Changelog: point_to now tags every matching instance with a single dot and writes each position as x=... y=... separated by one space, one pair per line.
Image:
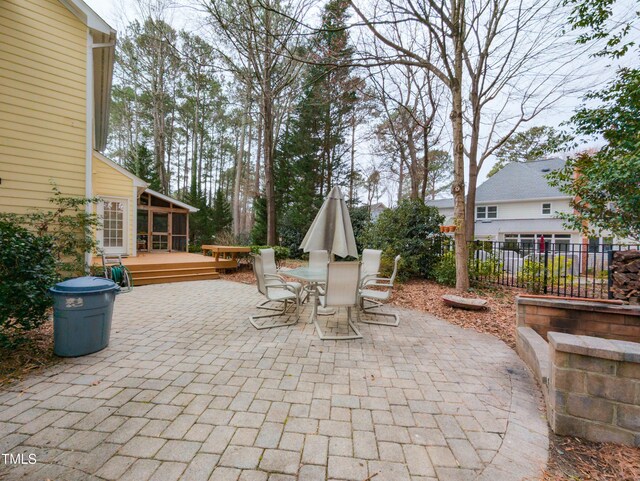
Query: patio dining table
x=312 y=277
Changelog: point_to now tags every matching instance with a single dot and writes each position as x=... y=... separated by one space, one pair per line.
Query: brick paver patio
x=189 y=390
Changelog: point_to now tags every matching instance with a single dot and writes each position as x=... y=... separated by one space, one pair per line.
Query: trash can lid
x=84 y=284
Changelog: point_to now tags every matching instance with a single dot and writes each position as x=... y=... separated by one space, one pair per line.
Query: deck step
x=169 y=270
x=169 y=265
x=146 y=280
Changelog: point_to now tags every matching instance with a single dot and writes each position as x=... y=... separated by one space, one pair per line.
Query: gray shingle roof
x=515 y=181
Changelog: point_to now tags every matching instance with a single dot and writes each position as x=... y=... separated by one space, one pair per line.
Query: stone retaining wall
x=594 y=388
x=625 y=273
x=597 y=319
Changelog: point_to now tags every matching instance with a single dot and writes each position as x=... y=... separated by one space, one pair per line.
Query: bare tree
x=409 y=100
x=407 y=31
x=499 y=61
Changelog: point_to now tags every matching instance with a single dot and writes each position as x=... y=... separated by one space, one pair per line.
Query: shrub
x=281 y=253
x=444 y=271
x=487 y=269
x=532 y=275
x=69 y=227
x=411 y=230
x=28 y=269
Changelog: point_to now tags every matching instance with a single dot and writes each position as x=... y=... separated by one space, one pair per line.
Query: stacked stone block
x=597 y=319
x=594 y=388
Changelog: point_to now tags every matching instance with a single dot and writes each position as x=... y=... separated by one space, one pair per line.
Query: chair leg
x=282 y=312
x=263 y=305
x=377 y=305
x=324 y=337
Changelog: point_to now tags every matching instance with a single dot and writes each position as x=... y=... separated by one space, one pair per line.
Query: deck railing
x=553 y=268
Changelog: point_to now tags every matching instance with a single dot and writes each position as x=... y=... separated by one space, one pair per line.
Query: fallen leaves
x=32 y=354
x=573 y=459
x=499 y=319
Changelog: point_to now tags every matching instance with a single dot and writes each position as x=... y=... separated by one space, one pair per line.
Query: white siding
x=529 y=209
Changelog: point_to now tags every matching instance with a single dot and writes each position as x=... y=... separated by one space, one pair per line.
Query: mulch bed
x=32 y=353
x=498 y=319
x=574 y=459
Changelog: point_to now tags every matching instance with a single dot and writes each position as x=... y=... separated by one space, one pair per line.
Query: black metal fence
x=553 y=268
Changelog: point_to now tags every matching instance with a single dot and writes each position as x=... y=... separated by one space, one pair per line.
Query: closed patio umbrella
x=331 y=230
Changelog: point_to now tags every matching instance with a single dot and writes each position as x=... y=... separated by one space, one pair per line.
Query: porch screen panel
x=179 y=231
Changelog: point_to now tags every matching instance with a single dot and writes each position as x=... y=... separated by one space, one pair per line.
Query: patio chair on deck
x=341 y=290
x=371 y=293
x=269 y=265
x=275 y=289
x=370 y=264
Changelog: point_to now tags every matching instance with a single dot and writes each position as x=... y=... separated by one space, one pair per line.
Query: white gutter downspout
x=89 y=133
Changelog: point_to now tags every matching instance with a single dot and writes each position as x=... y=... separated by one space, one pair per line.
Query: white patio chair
x=341 y=290
x=370 y=267
x=375 y=297
x=270 y=268
x=318 y=259
x=275 y=289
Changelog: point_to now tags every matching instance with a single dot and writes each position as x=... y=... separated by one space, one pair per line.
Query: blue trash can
x=82 y=310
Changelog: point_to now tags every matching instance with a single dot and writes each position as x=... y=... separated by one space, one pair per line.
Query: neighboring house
x=376 y=210
x=518 y=204
x=56 y=66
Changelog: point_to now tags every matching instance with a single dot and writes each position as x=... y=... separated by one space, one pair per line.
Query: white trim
x=166 y=198
x=134 y=211
x=88 y=175
x=87 y=16
x=137 y=181
x=486 y=212
x=550 y=213
x=125 y=225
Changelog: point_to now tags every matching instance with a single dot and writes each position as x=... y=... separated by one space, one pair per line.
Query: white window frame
x=485 y=211
x=125 y=226
x=550 y=208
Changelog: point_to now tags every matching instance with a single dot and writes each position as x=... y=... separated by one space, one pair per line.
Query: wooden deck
x=159 y=268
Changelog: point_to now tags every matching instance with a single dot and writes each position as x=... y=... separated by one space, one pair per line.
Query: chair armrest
x=274 y=277
x=284 y=286
x=377 y=282
x=368 y=277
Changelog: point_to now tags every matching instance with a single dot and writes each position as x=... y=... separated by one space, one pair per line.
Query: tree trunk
x=267 y=110
x=462 y=269
x=238 y=177
x=401 y=177
x=473 y=164
x=352 y=172
x=470 y=205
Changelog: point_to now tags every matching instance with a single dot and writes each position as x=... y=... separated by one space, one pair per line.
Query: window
x=546 y=208
x=487 y=212
x=114 y=225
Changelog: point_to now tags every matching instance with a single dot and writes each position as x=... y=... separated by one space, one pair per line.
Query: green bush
x=444 y=271
x=411 y=230
x=281 y=253
x=27 y=269
x=69 y=227
x=532 y=275
x=486 y=270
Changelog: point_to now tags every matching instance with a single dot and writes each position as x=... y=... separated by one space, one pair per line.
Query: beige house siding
x=109 y=182
x=43 y=50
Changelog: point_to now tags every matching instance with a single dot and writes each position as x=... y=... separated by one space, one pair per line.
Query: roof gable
x=521 y=181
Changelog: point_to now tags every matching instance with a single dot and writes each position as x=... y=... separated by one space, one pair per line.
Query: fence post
x=546 y=270
x=609 y=276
